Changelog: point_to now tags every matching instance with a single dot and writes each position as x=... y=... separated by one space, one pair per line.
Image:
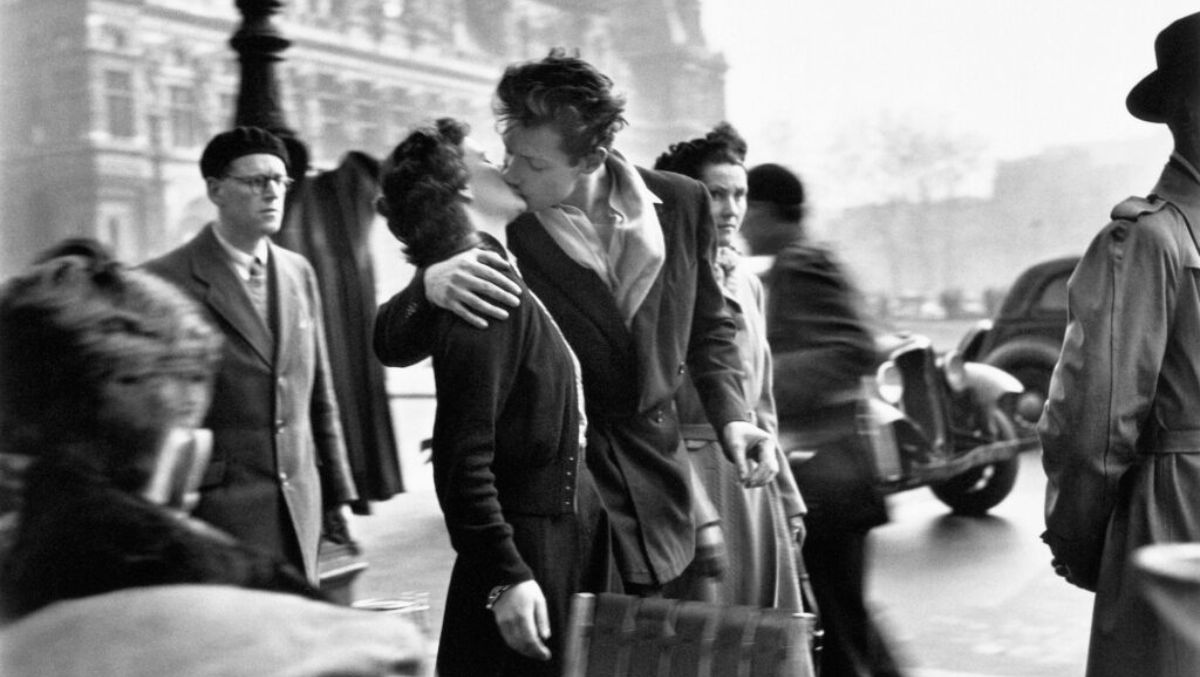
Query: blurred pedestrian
x=822 y=348
x=509 y=433
x=760 y=525
x=107 y=371
x=279 y=461
x=1119 y=435
x=622 y=257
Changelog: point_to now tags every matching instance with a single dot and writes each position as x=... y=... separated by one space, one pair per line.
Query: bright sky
x=1020 y=75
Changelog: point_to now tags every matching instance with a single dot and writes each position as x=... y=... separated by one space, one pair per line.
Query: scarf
x=634 y=256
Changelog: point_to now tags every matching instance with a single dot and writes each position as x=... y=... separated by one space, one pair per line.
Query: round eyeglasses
x=259 y=182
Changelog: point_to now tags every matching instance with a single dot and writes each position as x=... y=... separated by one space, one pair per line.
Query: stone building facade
x=108 y=103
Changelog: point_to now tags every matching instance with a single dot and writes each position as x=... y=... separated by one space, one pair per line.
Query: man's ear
x=594 y=160
x=212 y=186
x=381 y=207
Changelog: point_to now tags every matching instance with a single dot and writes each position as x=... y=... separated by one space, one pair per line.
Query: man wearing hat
x=1121 y=428
x=822 y=348
x=279 y=460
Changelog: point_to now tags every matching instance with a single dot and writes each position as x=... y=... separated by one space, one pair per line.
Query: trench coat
x=1121 y=428
x=278 y=455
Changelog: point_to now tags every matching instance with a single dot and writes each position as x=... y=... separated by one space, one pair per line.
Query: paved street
x=976 y=597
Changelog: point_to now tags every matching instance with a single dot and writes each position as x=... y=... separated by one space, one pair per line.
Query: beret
x=233 y=144
x=774 y=183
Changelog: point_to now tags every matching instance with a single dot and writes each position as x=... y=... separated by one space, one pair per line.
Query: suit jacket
x=278 y=454
x=1121 y=428
x=631 y=375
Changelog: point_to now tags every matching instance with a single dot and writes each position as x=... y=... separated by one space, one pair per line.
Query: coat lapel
x=225 y=295
x=593 y=298
x=287 y=318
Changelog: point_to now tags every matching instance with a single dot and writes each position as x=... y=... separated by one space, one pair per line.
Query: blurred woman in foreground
x=106 y=371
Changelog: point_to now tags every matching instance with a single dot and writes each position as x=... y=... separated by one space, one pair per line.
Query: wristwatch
x=494 y=596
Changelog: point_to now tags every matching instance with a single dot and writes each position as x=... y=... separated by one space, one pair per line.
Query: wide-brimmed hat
x=1177 y=54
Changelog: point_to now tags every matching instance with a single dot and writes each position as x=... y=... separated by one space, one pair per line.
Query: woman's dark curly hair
x=566 y=92
x=421 y=181
x=722 y=146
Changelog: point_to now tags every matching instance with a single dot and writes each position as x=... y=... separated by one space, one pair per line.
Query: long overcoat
x=278 y=453
x=1121 y=428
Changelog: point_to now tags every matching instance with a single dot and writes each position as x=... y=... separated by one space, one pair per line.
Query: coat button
x=283 y=477
x=682 y=368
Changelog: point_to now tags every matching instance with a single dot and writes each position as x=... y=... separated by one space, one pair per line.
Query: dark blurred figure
x=1121 y=428
x=107 y=371
x=522 y=510
x=822 y=349
x=760 y=524
x=279 y=461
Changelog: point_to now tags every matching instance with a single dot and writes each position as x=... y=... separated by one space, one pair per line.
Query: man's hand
x=752 y=450
x=798 y=528
x=472 y=285
x=523 y=620
x=1078 y=564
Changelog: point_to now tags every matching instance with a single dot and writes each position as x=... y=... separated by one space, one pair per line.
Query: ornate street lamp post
x=259 y=103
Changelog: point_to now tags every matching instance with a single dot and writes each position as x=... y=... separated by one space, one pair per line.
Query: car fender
x=988 y=383
x=971 y=342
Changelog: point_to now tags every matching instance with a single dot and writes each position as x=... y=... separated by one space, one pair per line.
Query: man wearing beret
x=1121 y=428
x=279 y=459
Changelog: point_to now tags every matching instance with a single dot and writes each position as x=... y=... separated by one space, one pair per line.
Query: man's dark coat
x=630 y=375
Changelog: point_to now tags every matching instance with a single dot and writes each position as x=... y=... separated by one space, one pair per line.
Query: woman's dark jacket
x=504 y=440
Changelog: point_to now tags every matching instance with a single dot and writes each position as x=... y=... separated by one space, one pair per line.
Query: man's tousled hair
x=565 y=92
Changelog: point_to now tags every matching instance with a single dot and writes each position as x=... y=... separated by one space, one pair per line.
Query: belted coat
x=1121 y=427
x=278 y=454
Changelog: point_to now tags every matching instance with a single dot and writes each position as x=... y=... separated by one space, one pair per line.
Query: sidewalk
x=404 y=540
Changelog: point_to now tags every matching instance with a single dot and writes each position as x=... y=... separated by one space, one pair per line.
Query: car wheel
x=980 y=489
x=1035 y=378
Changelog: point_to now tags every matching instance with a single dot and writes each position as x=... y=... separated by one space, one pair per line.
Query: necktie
x=257 y=287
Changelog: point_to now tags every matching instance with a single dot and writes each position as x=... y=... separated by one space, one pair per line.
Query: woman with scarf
x=760 y=526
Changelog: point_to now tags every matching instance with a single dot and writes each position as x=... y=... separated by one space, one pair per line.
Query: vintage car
x=934 y=419
x=1025 y=336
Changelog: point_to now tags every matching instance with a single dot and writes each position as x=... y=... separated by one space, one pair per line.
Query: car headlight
x=889 y=382
x=955 y=371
